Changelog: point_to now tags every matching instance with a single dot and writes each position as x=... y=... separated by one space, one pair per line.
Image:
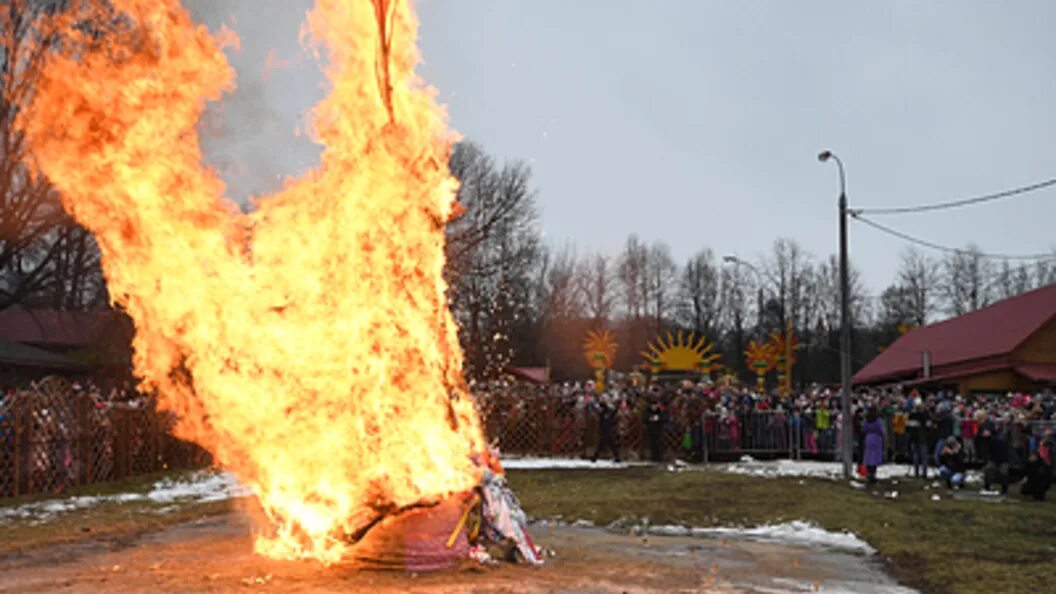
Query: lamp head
x=730 y=259
x=824 y=156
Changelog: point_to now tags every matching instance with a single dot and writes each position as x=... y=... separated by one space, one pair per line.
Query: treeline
x=46 y=258
x=520 y=301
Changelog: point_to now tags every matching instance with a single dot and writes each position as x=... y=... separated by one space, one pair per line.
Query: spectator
x=917 y=427
x=997 y=464
x=655 y=418
x=951 y=463
x=1040 y=467
x=873 y=439
x=607 y=411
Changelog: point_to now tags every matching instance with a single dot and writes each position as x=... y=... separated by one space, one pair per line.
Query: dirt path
x=214 y=555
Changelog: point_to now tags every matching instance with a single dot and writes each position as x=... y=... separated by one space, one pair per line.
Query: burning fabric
x=307 y=344
x=503 y=522
x=485 y=525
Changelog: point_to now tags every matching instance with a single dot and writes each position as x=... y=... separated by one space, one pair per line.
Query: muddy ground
x=215 y=555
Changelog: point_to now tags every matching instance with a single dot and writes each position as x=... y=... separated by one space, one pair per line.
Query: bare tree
x=826 y=300
x=789 y=272
x=493 y=249
x=660 y=283
x=39 y=242
x=595 y=282
x=966 y=278
x=699 y=288
x=1044 y=272
x=631 y=273
x=733 y=299
x=917 y=276
x=558 y=292
x=1010 y=281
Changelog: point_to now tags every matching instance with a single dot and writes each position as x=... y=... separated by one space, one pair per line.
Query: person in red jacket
x=969 y=429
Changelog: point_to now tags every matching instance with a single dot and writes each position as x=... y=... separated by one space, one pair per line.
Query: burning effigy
x=308 y=344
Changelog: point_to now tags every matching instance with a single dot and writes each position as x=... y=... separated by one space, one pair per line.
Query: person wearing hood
x=873 y=443
x=607 y=411
x=1040 y=465
x=951 y=463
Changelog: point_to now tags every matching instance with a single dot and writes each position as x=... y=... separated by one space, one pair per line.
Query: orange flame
x=309 y=344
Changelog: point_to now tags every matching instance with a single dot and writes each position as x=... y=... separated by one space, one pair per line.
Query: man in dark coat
x=997 y=455
x=655 y=417
x=951 y=463
x=607 y=410
x=1040 y=468
x=918 y=426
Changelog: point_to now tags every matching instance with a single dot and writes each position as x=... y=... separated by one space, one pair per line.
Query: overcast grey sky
x=698 y=122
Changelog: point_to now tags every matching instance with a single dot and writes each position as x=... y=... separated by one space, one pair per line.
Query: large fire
x=308 y=344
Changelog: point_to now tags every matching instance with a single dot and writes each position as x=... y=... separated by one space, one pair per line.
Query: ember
x=307 y=344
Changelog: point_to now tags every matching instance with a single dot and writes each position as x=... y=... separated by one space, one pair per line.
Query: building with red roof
x=1007 y=346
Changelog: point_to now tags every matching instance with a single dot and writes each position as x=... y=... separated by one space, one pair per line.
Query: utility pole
x=846 y=429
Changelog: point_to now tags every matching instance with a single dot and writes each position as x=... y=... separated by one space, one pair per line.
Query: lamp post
x=845 y=324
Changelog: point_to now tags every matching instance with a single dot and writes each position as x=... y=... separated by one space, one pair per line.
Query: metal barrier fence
x=553 y=427
x=53 y=438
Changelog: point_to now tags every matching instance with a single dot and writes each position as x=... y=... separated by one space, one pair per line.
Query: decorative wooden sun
x=599 y=347
x=682 y=352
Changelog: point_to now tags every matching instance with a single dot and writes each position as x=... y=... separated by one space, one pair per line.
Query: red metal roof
x=1039 y=372
x=988 y=332
x=54 y=328
x=536 y=375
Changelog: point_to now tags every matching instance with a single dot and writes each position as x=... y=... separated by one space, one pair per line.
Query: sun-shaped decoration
x=782 y=349
x=682 y=353
x=761 y=357
x=599 y=347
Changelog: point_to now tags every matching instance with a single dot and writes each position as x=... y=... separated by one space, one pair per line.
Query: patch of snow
x=564 y=463
x=796 y=532
x=804 y=468
x=198 y=487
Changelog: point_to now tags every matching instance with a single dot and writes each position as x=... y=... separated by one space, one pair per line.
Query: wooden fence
x=53 y=438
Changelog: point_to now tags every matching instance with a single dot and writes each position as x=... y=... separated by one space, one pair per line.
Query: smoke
x=255 y=138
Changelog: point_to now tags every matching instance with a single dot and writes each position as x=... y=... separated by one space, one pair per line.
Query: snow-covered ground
x=747 y=466
x=198 y=487
x=796 y=532
x=804 y=468
x=792 y=533
x=825 y=470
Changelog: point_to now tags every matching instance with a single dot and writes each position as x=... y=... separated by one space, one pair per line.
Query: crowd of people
x=1009 y=436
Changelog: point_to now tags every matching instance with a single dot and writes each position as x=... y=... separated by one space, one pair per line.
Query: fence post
x=18 y=449
x=703 y=430
x=122 y=450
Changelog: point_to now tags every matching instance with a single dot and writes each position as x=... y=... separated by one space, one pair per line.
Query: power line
x=957 y=203
x=935 y=246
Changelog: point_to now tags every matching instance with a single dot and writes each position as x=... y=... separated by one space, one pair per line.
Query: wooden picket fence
x=53 y=438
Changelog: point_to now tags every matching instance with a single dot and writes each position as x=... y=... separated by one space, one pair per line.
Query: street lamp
x=845 y=324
